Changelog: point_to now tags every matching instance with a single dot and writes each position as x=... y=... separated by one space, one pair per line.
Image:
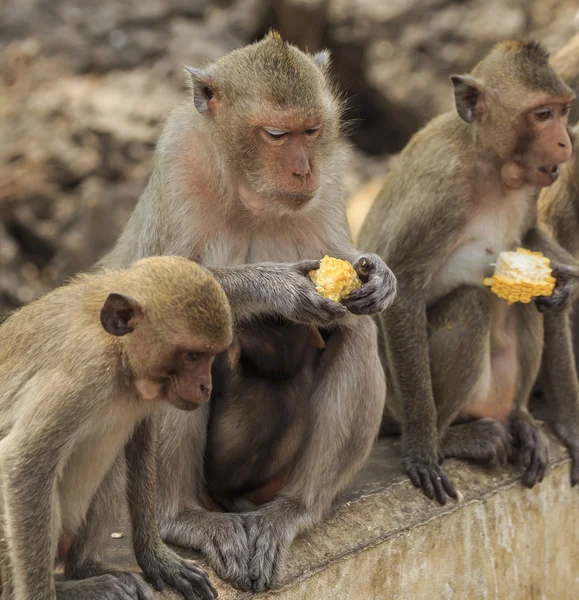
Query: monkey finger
x=200 y=581
x=448 y=486
x=186 y=589
x=531 y=475
x=426 y=483
x=156 y=582
x=305 y=266
x=502 y=455
x=438 y=489
x=412 y=473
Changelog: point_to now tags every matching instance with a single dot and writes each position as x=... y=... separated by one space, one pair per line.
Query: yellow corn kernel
x=520 y=276
x=335 y=279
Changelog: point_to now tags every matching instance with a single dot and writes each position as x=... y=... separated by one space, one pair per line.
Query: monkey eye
x=312 y=131
x=543 y=115
x=276 y=134
x=565 y=109
x=192 y=356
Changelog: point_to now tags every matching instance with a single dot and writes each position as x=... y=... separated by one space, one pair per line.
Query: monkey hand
x=568 y=431
x=270 y=532
x=566 y=290
x=378 y=290
x=294 y=296
x=530 y=447
x=162 y=565
x=427 y=475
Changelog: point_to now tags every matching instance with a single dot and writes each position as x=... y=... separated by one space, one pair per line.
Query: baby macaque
x=82 y=372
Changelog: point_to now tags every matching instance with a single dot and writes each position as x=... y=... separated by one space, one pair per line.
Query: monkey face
x=281 y=164
x=545 y=142
x=521 y=117
x=185 y=381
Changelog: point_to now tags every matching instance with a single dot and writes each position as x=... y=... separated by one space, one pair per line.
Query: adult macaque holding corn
x=247 y=181
x=463 y=191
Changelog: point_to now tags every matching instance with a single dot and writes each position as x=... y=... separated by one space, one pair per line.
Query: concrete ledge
x=385 y=540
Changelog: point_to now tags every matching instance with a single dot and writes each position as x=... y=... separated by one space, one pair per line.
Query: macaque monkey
x=462 y=191
x=275 y=365
x=82 y=372
x=559 y=215
x=247 y=181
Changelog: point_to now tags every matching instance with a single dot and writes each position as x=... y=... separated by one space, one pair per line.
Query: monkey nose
x=205 y=389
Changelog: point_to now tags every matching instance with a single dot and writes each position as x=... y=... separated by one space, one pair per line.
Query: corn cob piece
x=520 y=276
x=335 y=279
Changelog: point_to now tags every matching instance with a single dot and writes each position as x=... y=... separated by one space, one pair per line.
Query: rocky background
x=86 y=84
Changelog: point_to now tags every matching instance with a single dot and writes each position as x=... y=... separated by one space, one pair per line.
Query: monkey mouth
x=297 y=200
x=551 y=170
x=182 y=404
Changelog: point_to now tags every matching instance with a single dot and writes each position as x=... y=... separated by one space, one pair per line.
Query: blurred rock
x=85 y=87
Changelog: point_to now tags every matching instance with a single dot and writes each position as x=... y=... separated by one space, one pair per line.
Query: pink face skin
x=185 y=383
x=547 y=144
x=287 y=148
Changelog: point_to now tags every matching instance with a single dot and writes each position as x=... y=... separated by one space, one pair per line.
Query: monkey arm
x=281 y=288
x=158 y=562
x=40 y=440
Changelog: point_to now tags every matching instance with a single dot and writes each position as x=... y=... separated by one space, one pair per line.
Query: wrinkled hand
x=295 y=295
x=427 y=475
x=530 y=448
x=165 y=566
x=565 y=292
x=378 y=291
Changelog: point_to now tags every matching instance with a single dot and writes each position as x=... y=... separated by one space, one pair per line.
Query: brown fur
x=71 y=366
x=462 y=191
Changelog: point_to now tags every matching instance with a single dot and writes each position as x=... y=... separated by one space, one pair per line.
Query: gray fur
x=192 y=208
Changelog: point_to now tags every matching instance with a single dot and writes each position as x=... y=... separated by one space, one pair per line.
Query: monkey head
x=519 y=108
x=172 y=318
x=272 y=112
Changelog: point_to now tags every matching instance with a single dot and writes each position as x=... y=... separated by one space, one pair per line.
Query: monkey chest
x=490 y=231
x=90 y=460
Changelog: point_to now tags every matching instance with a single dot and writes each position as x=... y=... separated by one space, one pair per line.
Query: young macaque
x=82 y=372
x=464 y=190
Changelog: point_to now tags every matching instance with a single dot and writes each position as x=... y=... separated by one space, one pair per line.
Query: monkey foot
x=485 y=442
x=430 y=478
x=530 y=448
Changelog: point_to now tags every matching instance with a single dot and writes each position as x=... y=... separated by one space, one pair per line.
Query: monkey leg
x=484 y=441
x=458 y=345
x=345 y=410
x=459 y=328
x=83 y=559
x=558 y=381
x=182 y=499
x=529 y=441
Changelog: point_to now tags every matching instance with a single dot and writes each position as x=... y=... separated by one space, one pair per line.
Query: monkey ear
x=468 y=96
x=120 y=314
x=204 y=91
x=322 y=60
